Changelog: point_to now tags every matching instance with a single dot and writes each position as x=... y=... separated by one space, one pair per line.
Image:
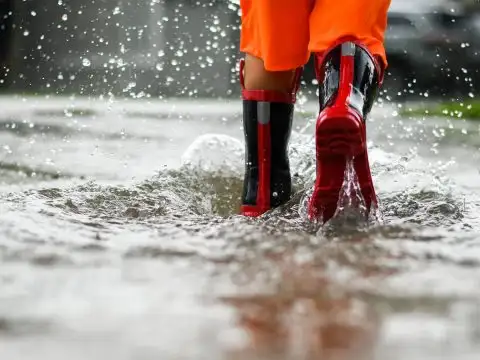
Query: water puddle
x=139 y=269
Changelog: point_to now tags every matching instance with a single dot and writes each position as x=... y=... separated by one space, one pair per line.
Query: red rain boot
x=349 y=78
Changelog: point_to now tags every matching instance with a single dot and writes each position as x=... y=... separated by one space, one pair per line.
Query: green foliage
x=458 y=109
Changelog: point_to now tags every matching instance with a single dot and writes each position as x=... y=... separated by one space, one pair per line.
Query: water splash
x=352 y=213
x=352 y=209
x=216 y=153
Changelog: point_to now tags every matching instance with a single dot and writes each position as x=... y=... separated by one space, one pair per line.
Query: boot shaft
x=348 y=74
x=267 y=129
x=272 y=118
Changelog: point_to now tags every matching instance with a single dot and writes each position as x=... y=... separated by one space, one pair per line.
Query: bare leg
x=258 y=78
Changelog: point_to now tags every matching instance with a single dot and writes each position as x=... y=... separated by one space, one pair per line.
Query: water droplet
x=26 y=33
x=64 y=17
x=33 y=13
x=86 y=62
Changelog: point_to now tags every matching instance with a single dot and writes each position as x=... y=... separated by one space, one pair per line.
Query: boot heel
x=339 y=132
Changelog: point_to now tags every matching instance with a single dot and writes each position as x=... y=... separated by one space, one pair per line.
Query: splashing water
x=351 y=214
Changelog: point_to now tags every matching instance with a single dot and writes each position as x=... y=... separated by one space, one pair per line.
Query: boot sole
x=253 y=210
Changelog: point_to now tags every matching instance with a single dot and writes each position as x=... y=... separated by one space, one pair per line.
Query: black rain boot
x=267 y=122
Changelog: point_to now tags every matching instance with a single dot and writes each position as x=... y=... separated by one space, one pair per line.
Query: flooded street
x=119 y=238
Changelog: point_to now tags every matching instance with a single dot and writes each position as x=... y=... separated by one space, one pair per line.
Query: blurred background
x=189 y=48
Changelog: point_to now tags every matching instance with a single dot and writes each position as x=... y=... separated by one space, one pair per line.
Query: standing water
x=120 y=238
